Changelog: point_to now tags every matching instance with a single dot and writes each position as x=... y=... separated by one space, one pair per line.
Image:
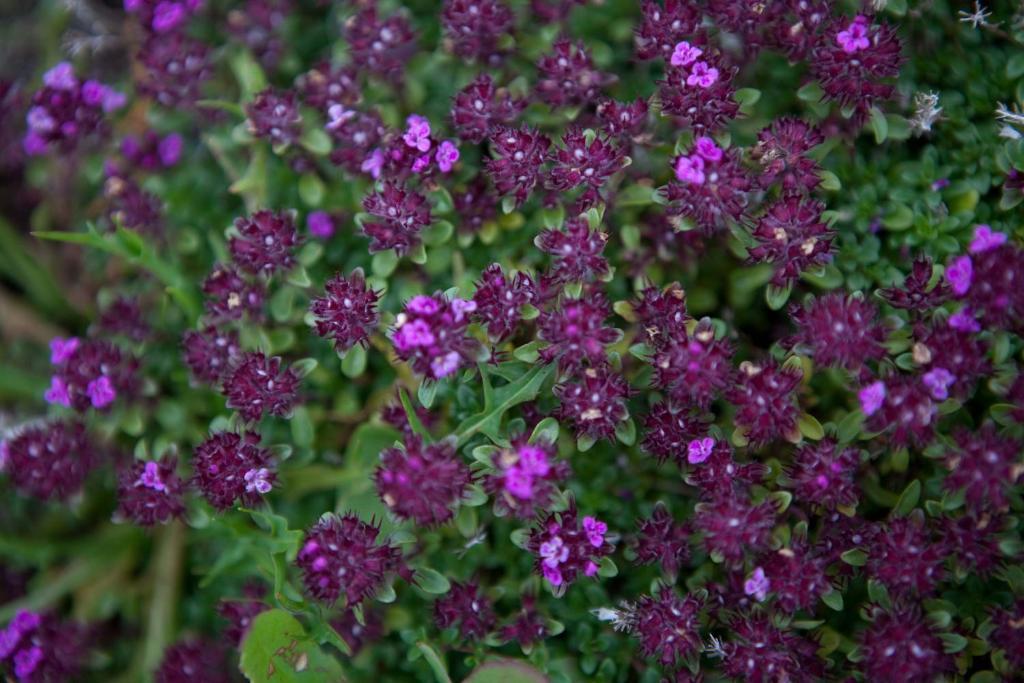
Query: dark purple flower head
x=430 y=334
x=792 y=238
x=393 y=413
x=474 y=29
x=259 y=25
x=661 y=314
x=65 y=111
x=229 y=467
x=191 y=659
x=663 y=27
x=151 y=151
x=1008 y=634
x=151 y=492
x=668 y=431
x=748 y=21
x=124 y=317
x=765 y=401
x=623 y=119
x=582 y=162
x=162 y=16
x=422 y=482
x=39 y=648
x=900 y=646
x=480 y=107
x=93 y=375
x=906 y=557
x=340 y=556
x=519 y=155
x=986 y=466
x=258 y=385
x=240 y=612
x=953 y=360
x=699 y=94
x=174 y=69
x=402 y=215
x=527 y=627
x=823 y=474
x=466 y=607
x=782 y=152
x=668 y=627
x=49 y=461
x=131 y=207
x=381 y=46
x=265 y=242
x=715 y=471
x=526 y=478
x=577 y=251
x=210 y=352
x=660 y=540
x=796 y=577
x=914 y=294
x=566 y=548
x=325 y=85
x=567 y=76
x=973 y=540
x=274 y=116
x=498 y=301
x=356 y=137
x=761 y=652
x=710 y=188
x=347 y=313
x=838 y=330
x=694 y=369
x=576 y=333
x=799 y=31
x=476 y=205
x=993 y=287
x=732 y=527
x=855 y=62
x=230 y=296
x=902 y=407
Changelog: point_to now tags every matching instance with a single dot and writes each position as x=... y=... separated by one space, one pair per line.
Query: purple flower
x=576 y=333
x=782 y=152
x=417 y=133
x=904 y=556
x=985 y=465
x=464 y=606
x=64 y=111
x=340 y=556
x=357 y=136
x=185 y=658
x=380 y=46
x=258 y=385
x=220 y=465
x=661 y=314
x=959 y=274
x=320 y=224
x=668 y=627
x=685 y=54
x=690 y=170
x=498 y=301
x=872 y=397
x=1007 y=635
x=701 y=95
x=661 y=540
x=709 y=193
x=700 y=450
x=796 y=578
x=581 y=163
x=265 y=242
x=175 y=67
x=792 y=237
x=563 y=550
x=430 y=334
x=402 y=213
x=623 y=119
x=526 y=478
x=766 y=408
x=994 y=291
x=663 y=28
x=274 y=116
x=58 y=393
x=761 y=652
x=938 y=380
x=422 y=482
x=757 y=585
x=325 y=86
x=668 y=432
x=964 y=321
x=101 y=392
x=151 y=492
x=855 y=36
x=476 y=28
x=93 y=375
x=578 y=251
x=907 y=412
x=567 y=76
x=823 y=475
x=50 y=461
x=480 y=107
x=230 y=296
x=915 y=295
x=694 y=369
x=733 y=527
x=528 y=626
x=40 y=648
x=347 y=313
x=901 y=646
x=838 y=331
x=447 y=156
x=516 y=166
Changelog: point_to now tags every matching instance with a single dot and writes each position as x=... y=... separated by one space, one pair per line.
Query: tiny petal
x=871 y=397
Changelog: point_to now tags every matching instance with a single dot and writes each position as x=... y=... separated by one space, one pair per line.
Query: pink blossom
x=417 y=133
x=61 y=349
x=169 y=150
x=554 y=552
x=460 y=307
x=150 y=477
x=985 y=239
x=58 y=392
x=702 y=75
x=591 y=568
x=707 y=149
x=258 y=480
x=552 y=574
x=337 y=115
x=757 y=585
x=595 y=530
x=447 y=155
x=101 y=392
x=938 y=381
x=373 y=163
x=320 y=224
x=168 y=16
x=39 y=120
x=690 y=170
x=855 y=37
x=61 y=77
x=423 y=305
x=685 y=54
x=699 y=450
x=421 y=163
x=446 y=364
x=413 y=334
x=964 y=321
x=34 y=144
x=871 y=397
x=959 y=274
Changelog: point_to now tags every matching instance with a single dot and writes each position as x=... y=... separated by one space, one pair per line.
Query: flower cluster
x=65 y=111
x=430 y=334
x=347 y=313
x=526 y=478
x=228 y=467
x=422 y=482
x=566 y=547
x=37 y=647
x=151 y=492
x=89 y=373
x=49 y=461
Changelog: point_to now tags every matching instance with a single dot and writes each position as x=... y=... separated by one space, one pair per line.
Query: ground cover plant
x=494 y=340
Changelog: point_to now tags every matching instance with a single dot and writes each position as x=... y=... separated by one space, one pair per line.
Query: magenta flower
x=340 y=556
x=757 y=585
x=661 y=540
x=668 y=432
x=402 y=215
x=151 y=492
x=259 y=385
x=526 y=479
x=985 y=239
x=65 y=111
x=702 y=75
x=959 y=274
x=701 y=95
x=710 y=194
x=422 y=482
x=964 y=321
x=93 y=375
x=499 y=302
x=685 y=54
x=563 y=550
x=907 y=412
x=101 y=392
x=417 y=133
x=62 y=349
x=265 y=242
x=700 y=450
x=859 y=77
x=655 y=616
x=464 y=606
x=872 y=397
x=765 y=401
x=447 y=156
x=855 y=37
x=430 y=334
x=221 y=468
x=900 y=645
x=58 y=393
x=320 y=224
x=50 y=461
x=347 y=313
x=690 y=169
x=938 y=381
x=41 y=648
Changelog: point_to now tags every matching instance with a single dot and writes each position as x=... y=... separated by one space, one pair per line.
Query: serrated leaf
x=277 y=649
x=501 y=400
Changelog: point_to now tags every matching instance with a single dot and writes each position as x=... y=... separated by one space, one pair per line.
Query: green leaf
x=427 y=392
x=811 y=92
x=776 y=297
x=303 y=429
x=431 y=581
x=505 y=671
x=952 y=642
x=810 y=427
x=304 y=366
x=501 y=400
x=898 y=217
x=528 y=353
x=546 y=431
x=607 y=568
x=435 y=662
x=383 y=263
x=855 y=557
x=277 y=649
x=830 y=181
x=316 y=141
x=625 y=432
x=414 y=419
x=311 y=189
x=520 y=537
x=908 y=499
x=879 y=125
x=747 y=97
x=834 y=599
x=248 y=73
x=849 y=427
x=1015 y=66
x=353 y=363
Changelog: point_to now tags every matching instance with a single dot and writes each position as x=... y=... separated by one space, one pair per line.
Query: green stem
x=166 y=587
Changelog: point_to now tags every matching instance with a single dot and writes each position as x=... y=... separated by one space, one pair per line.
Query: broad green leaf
x=353 y=363
x=776 y=297
x=434 y=660
x=506 y=671
x=277 y=649
x=431 y=581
